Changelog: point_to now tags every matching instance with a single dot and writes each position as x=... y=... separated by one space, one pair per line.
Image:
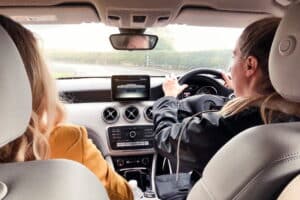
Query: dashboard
x=123 y=132
x=122 y=129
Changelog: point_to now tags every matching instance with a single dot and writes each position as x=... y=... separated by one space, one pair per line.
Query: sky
x=94 y=37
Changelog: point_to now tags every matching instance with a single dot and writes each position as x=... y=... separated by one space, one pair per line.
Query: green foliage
x=164 y=59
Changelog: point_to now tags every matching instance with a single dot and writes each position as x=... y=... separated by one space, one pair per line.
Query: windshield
x=84 y=50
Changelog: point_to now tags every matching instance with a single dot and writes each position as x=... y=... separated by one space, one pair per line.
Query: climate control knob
x=132 y=134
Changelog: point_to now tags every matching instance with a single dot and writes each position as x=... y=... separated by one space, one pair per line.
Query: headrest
x=16 y=98
x=284 y=62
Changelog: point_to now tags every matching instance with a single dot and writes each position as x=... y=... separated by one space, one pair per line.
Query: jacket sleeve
x=201 y=136
x=81 y=149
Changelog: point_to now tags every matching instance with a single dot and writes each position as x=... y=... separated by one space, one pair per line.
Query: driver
x=136 y=42
x=196 y=139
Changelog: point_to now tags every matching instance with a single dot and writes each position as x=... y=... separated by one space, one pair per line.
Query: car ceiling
x=144 y=13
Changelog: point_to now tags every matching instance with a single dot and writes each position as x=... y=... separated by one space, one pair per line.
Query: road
x=83 y=70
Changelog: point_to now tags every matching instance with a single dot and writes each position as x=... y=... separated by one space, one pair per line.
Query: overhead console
x=132 y=13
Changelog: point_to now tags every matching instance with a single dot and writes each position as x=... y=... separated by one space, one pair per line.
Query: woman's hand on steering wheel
x=171 y=87
x=227 y=81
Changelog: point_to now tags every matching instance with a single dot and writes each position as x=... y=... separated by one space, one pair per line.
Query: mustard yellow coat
x=71 y=142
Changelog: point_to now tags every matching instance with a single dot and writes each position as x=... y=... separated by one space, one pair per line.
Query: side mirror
x=133 y=41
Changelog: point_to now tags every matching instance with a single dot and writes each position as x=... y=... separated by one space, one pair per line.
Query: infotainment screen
x=132 y=87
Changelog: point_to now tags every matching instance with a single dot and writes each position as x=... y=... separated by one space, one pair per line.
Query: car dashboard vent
x=131 y=114
x=148 y=113
x=110 y=115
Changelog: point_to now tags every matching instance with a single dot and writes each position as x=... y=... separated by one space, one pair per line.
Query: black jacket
x=202 y=135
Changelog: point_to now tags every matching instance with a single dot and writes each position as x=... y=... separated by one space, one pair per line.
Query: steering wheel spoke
x=210 y=75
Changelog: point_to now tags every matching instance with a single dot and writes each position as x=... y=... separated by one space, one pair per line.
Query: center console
x=130 y=137
x=135 y=168
x=131 y=143
x=133 y=138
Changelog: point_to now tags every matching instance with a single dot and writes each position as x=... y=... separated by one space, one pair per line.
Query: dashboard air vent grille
x=148 y=113
x=131 y=113
x=110 y=115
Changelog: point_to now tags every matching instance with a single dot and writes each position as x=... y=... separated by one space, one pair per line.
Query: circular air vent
x=148 y=113
x=131 y=114
x=110 y=115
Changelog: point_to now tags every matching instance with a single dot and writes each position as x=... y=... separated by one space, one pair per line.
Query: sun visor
x=72 y=14
x=209 y=17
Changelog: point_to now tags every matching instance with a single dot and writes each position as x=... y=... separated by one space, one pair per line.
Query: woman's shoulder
x=250 y=112
x=67 y=141
x=242 y=120
x=67 y=135
x=68 y=130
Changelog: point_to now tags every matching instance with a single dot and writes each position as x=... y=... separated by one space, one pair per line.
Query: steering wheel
x=216 y=74
x=192 y=73
x=202 y=102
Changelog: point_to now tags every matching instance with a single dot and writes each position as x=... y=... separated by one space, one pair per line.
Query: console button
x=120 y=163
x=132 y=134
x=145 y=161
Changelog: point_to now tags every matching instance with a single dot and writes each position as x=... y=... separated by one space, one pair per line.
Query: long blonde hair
x=256 y=40
x=47 y=110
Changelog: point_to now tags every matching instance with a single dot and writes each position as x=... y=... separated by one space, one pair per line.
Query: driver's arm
x=202 y=135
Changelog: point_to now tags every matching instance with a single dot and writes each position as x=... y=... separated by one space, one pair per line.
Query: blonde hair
x=256 y=40
x=47 y=110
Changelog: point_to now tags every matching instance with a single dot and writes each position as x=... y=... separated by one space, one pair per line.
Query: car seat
x=34 y=180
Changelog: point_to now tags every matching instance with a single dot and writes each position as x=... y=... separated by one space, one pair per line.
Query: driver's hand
x=171 y=86
x=228 y=81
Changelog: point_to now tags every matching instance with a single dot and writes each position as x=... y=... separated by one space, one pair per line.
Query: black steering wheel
x=202 y=102
x=183 y=79
x=215 y=75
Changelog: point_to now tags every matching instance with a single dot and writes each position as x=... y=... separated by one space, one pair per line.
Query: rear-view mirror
x=133 y=41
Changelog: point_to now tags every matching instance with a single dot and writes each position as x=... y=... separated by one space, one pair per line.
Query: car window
x=84 y=50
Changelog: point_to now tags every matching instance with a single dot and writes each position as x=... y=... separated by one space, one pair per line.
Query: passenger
x=46 y=136
x=257 y=102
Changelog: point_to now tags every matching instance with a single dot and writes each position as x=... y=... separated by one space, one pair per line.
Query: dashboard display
x=133 y=87
x=194 y=89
